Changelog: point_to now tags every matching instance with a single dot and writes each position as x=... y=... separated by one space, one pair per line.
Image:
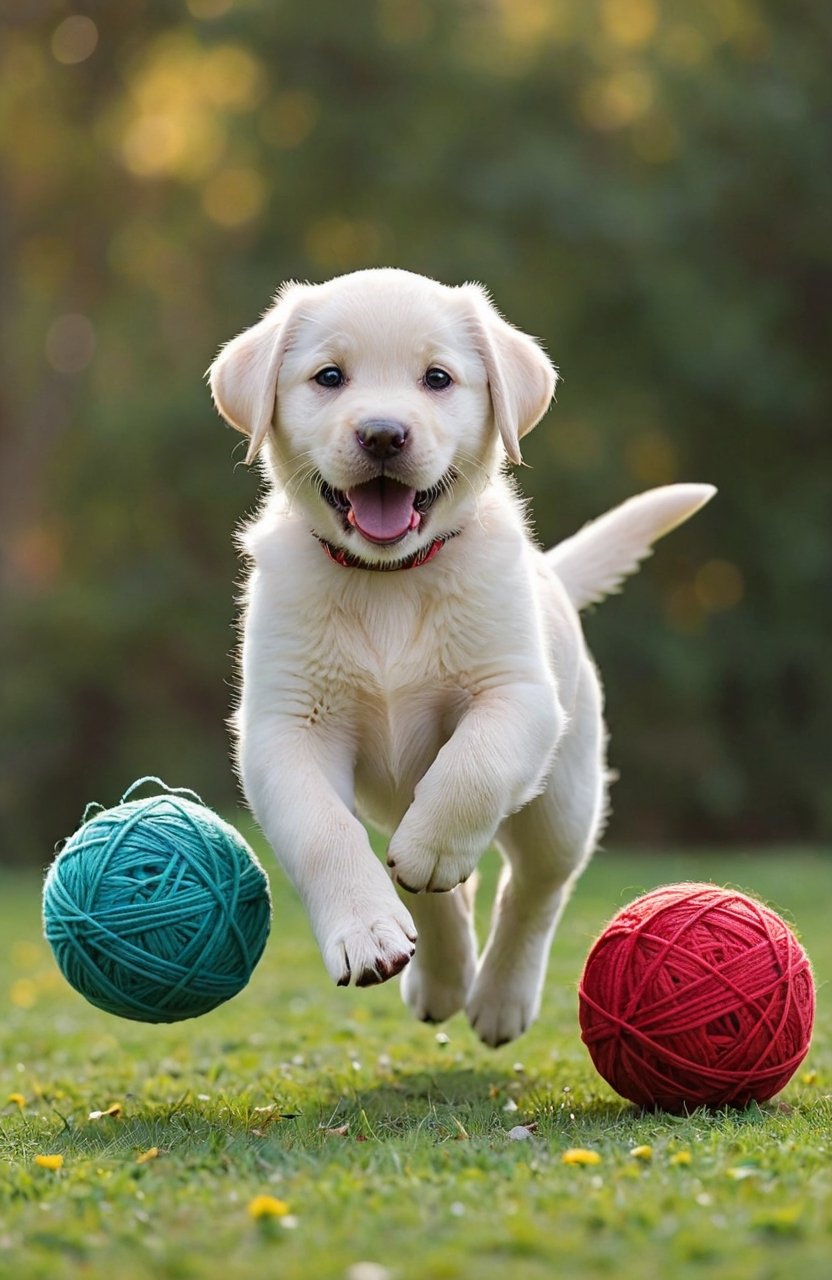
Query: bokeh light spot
x=74 y=39
x=528 y=21
x=617 y=100
x=70 y=343
x=174 y=121
x=23 y=993
x=152 y=145
x=629 y=23
x=230 y=76
x=187 y=144
x=718 y=585
x=233 y=197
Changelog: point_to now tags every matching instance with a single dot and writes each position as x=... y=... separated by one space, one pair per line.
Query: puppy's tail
x=594 y=562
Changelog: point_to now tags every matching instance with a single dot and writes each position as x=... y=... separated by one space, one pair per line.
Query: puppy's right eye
x=330 y=377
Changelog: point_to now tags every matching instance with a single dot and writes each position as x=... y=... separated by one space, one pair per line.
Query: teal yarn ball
x=157 y=909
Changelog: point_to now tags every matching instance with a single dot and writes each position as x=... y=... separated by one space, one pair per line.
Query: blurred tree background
x=645 y=184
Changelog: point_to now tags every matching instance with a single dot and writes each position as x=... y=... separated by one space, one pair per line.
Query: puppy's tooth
x=351 y=517
x=415 y=519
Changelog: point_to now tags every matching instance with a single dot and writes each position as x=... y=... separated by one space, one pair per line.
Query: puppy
x=409 y=654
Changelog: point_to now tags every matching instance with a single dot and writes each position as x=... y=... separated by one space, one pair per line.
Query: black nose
x=381 y=437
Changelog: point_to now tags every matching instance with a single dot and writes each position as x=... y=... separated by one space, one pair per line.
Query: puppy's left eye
x=437 y=379
x=330 y=376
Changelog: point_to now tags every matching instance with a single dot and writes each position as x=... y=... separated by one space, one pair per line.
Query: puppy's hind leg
x=435 y=984
x=545 y=845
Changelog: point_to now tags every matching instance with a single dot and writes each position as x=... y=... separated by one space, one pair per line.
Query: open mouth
x=384 y=510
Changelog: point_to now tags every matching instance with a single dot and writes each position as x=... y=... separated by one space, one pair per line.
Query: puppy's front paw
x=430 y=866
x=368 y=953
x=500 y=1008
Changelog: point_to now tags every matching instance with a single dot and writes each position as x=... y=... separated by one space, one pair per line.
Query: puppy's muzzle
x=382 y=438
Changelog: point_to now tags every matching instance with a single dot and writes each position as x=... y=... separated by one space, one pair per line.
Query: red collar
x=350 y=561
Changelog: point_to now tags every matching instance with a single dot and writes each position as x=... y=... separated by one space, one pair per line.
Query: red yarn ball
x=696 y=996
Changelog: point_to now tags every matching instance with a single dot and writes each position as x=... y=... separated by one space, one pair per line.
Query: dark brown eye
x=437 y=379
x=330 y=377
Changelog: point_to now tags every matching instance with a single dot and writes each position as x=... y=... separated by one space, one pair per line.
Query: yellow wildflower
x=680 y=1157
x=267 y=1207
x=580 y=1155
x=809 y=1077
x=17 y=1098
x=50 y=1162
x=642 y=1153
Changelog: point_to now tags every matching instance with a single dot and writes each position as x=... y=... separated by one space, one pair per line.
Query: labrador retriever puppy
x=410 y=657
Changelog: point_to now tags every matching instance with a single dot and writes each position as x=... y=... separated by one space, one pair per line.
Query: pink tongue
x=383 y=509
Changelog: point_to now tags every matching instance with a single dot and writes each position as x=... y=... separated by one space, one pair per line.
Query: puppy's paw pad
x=367 y=955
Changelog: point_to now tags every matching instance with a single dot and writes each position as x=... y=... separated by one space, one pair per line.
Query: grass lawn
x=386 y=1143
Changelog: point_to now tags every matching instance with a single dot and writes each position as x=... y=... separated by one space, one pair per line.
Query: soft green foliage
x=643 y=183
x=386 y=1142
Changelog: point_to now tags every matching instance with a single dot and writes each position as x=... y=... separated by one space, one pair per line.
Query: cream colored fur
x=451 y=704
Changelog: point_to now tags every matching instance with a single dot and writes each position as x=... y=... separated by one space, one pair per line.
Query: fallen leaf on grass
x=337 y=1131
x=145 y=1156
x=50 y=1162
x=115 y=1112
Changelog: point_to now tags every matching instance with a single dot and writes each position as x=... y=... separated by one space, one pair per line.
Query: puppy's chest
x=397 y=680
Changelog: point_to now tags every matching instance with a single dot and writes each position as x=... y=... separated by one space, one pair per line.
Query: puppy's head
x=384 y=400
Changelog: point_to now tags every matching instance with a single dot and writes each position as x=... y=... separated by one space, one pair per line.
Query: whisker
x=474 y=463
x=301 y=474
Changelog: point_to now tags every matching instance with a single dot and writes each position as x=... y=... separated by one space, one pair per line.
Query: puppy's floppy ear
x=521 y=377
x=243 y=377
